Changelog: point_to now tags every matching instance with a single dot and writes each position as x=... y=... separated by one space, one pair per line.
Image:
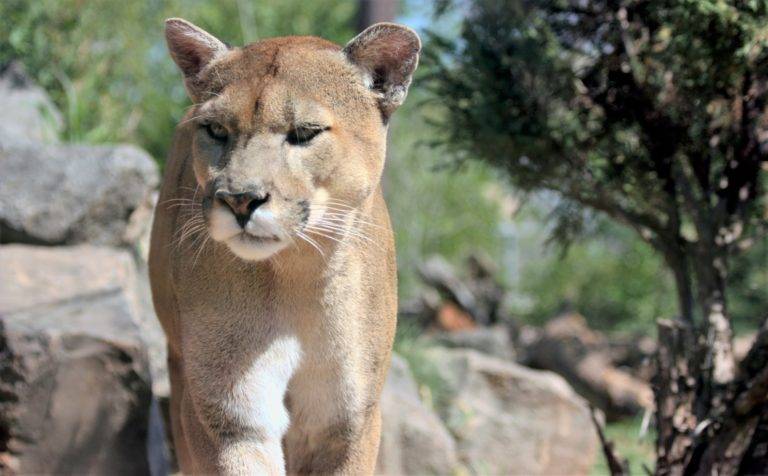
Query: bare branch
x=617 y=465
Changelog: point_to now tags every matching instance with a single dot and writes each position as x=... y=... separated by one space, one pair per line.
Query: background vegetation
x=113 y=80
x=105 y=65
x=655 y=115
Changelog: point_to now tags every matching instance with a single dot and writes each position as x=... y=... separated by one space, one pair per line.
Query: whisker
x=200 y=251
x=350 y=232
x=184 y=206
x=336 y=213
x=189 y=228
x=194 y=219
x=193 y=233
x=180 y=199
x=332 y=201
x=336 y=200
x=334 y=208
x=339 y=226
x=193 y=118
x=342 y=231
x=323 y=235
x=311 y=242
x=342 y=219
x=185 y=229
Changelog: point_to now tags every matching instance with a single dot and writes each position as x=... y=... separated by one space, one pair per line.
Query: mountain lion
x=272 y=259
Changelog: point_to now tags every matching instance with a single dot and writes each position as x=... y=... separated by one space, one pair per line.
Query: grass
x=432 y=388
x=625 y=436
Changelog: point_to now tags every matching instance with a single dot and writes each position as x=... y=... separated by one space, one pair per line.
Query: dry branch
x=617 y=465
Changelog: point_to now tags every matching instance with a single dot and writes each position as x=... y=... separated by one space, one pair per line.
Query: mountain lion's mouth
x=257 y=239
x=255 y=247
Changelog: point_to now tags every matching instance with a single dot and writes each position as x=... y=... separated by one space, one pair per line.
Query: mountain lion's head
x=288 y=133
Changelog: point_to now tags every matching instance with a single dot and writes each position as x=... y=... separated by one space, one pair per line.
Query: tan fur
x=322 y=323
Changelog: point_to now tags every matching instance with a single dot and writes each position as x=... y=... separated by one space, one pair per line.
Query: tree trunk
x=715 y=360
x=374 y=11
x=705 y=426
x=674 y=392
x=679 y=265
x=711 y=415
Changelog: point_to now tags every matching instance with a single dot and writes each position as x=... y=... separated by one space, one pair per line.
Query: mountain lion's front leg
x=335 y=417
x=237 y=417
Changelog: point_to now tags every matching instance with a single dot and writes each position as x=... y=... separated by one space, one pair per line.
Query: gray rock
x=69 y=194
x=493 y=340
x=413 y=439
x=509 y=419
x=26 y=111
x=75 y=385
x=63 y=288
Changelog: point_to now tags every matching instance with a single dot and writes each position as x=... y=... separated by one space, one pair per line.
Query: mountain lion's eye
x=301 y=135
x=216 y=131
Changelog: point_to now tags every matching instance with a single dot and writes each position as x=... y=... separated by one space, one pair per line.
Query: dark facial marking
x=304 y=210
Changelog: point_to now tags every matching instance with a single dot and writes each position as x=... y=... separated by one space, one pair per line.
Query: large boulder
x=75 y=385
x=69 y=194
x=413 y=439
x=53 y=193
x=509 y=419
x=26 y=111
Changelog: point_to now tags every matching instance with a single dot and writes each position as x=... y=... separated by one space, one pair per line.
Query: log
x=476 y=292
x=439 y=274
x=567 y=346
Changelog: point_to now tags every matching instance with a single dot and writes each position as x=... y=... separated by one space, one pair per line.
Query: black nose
x=242 y=204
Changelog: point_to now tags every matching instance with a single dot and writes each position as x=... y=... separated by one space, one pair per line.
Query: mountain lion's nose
x=242 y=204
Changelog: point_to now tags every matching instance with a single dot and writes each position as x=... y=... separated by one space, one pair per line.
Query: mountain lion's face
x=288 y=134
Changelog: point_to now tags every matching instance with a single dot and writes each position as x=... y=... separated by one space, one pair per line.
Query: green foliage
x=636 y=449
x=653 y=113
x=610 y=276
x=105 y=63
x=748 y=293
x=114 y=81
x=411 y=347
x=435 y=209
x=106 y=66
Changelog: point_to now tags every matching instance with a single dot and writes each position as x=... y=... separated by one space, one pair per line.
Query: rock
x=509 y=419
x=494 y=340
x=75 y=385
x=54 y=193
x=70 y=194
x=413 y=439
x=26 y=111
x=74 y=404
x=63 y=288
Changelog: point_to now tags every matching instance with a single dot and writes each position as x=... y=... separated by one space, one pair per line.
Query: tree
x=654 y=113
x=375 y=11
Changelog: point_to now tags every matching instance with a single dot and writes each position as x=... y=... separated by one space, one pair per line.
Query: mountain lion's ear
x=388 y=53
x=191 y=48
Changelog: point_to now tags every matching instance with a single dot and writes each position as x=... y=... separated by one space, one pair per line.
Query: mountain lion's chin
x=254 y=248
